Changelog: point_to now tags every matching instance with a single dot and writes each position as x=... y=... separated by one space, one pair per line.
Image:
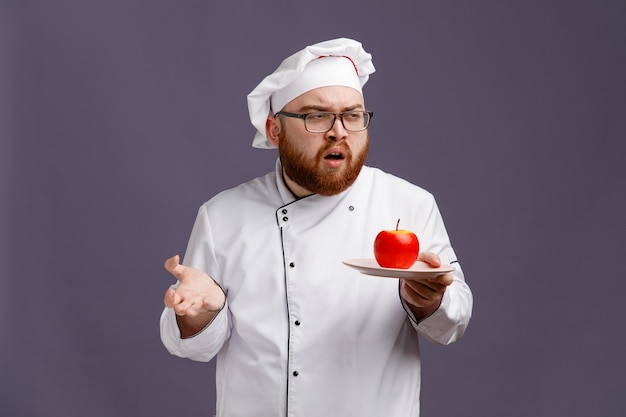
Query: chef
x=263 y=287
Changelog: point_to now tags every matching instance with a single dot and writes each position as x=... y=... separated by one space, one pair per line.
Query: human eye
x=319 y=116
x=353 y=115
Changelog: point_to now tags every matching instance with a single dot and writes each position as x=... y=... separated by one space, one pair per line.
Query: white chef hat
x=344 y=63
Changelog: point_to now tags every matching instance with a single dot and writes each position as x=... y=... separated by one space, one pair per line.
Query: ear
x=272 y=129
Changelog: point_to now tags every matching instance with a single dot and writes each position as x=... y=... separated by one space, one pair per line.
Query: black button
x=291 y=264
x=285 y=218
x=351 y=208
x=284 y=211
x=297 y=322
x=295 y=373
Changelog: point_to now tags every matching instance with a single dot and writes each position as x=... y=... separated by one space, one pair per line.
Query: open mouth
x=335 y=155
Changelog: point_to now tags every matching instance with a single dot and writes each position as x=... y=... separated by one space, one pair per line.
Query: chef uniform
x=301 y=333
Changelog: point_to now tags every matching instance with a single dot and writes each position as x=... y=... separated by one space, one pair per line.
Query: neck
x=296 y=189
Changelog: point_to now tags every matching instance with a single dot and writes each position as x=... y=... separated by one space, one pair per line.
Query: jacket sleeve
x=203 y=346
x=200 y=347
x=448 y=323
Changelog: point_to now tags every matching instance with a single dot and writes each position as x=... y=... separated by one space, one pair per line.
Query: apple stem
x=397 y=224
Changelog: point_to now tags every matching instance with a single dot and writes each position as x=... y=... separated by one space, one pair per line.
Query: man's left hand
x=424 y=296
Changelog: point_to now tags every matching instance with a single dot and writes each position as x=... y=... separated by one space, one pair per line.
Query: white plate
x=419 y=270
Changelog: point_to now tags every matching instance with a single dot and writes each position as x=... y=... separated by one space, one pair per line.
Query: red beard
x=313 y=175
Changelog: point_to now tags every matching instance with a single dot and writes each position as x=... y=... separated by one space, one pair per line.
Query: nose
x=337 y=132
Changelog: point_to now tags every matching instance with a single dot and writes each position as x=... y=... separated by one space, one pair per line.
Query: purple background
x=119 y=118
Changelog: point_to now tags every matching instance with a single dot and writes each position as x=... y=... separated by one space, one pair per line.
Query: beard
x=312 y=174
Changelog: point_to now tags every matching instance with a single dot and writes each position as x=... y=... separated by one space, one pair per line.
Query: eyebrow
x=313 y=107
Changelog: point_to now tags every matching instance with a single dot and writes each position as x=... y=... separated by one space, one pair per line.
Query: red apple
x=396 y=248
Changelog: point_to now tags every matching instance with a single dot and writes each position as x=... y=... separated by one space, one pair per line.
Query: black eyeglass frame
x=303 y=116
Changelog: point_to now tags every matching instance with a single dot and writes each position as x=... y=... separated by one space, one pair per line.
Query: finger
x=443 y=279
x=185 y=308
x=422 y=289
x=432 y=283
x=422 y=296
x=430 y=258
x=172 y=262
x=416 y=296
x=207 y=306
x=196 y=308
x=171 y=298
x=173 y=266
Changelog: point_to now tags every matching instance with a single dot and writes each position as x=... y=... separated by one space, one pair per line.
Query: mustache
x=343 y=145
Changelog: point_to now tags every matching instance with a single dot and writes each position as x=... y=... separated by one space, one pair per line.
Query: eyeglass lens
x=322 y=122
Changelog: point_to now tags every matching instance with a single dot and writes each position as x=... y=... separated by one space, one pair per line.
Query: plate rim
x=380 y=271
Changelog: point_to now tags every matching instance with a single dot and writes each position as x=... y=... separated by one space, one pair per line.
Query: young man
x=263 y=287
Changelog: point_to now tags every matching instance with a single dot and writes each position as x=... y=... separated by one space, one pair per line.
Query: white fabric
x=259 y=100
x=293 y=306
x=321 y=72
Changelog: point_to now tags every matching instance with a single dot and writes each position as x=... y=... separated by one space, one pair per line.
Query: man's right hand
x=196 y=300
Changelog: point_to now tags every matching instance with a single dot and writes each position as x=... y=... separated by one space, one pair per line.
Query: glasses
x=322 y=122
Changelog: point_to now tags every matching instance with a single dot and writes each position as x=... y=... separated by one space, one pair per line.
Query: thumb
x=430 y=258
x=173 y=266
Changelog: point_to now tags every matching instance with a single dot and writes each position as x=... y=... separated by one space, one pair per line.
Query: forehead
x=332 y=97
